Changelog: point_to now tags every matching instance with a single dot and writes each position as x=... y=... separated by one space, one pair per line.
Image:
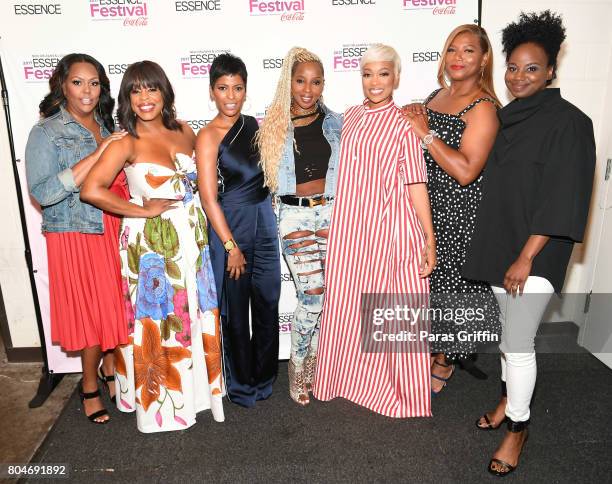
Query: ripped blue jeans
x=303 y=232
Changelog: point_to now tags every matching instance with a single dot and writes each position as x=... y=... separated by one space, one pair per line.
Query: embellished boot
x=310 y=367
x=297 y=388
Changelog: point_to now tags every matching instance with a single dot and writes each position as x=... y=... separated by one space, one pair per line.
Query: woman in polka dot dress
x=461 y=129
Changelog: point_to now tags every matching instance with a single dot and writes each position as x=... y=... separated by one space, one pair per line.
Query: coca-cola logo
x=436 y=7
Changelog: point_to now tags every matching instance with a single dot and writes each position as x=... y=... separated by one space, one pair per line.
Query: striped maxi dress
x=374 y=246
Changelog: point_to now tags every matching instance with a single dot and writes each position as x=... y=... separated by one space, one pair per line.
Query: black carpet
x=570 y=437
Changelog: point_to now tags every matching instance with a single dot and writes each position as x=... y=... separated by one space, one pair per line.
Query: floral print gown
x=171 y=368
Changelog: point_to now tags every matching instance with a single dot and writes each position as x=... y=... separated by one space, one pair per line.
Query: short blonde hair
x=382 y=53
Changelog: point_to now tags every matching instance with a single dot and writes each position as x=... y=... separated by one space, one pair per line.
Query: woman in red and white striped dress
x=381 y=241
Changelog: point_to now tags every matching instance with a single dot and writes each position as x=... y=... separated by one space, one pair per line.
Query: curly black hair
x=55 y=98
x=545 y=29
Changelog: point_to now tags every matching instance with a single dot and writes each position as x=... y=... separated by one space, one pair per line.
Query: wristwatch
x=229 y=245
x=428 y=139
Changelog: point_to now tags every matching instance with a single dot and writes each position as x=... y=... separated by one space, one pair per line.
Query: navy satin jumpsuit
x=250 y=354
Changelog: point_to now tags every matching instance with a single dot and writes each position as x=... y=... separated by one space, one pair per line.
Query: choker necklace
x=306 y=114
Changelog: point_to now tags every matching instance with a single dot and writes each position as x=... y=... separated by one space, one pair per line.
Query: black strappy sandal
x=490 y=425
x=100 y=413
x=107 y=379
x=513 y=427
x=444 y=380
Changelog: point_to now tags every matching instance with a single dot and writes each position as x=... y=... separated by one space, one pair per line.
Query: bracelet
x=428 y=139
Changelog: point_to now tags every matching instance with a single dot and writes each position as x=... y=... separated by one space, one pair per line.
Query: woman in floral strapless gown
x=171 y=368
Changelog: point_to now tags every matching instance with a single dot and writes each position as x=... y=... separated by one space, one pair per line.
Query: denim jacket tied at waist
x=332 y=126
x=54 y=146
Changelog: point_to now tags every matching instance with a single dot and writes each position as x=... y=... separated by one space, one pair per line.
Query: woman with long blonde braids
x=299 y=142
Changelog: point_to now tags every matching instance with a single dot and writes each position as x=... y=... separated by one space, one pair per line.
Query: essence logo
x=133 y=13
x=288 y=10
x=116 y=69
x=347 y=58
x=437 y=7
x=197 y=6
x=348 y=3
x=40 y=67
x=37 y=9
x=431 y=56
x=197 y=64
x=273 y=63
x=197 y=124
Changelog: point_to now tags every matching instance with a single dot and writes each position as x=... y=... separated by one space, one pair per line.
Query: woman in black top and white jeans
x=535 y=204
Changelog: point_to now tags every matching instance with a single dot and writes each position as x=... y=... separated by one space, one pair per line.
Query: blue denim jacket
x=55 y=145
x=332 y=126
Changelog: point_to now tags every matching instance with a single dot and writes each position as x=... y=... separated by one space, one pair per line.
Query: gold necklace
x=304 y=114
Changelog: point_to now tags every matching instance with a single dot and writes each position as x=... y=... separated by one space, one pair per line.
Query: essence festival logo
x=349 y=3
x=39 y=68
x=133 y=13
x=347 y=58
x=197 y=6
x=259 y=117
x=197 y=64
x=37 y=8
x=287 y=10
x=284 y=322
x=436 y=7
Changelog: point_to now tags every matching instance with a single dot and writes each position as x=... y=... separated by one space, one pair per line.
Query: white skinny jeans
x=520 y=318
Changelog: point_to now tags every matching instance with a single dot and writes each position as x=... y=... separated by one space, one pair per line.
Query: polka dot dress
x=454 y=214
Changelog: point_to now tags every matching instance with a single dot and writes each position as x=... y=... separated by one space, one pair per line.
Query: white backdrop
x=184 y=36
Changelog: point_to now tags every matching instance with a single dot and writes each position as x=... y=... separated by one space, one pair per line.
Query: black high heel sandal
x=100 y=413
x=107 y=379
x=490 y=425
x=514 y=427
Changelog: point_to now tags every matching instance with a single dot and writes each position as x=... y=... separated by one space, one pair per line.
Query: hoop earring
x=214 y=106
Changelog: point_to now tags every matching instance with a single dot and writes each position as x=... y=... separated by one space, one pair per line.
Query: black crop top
x=313 y=151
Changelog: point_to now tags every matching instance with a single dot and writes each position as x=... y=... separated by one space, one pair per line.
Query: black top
x=538 y=181
x=311 y=151
x=240 y=177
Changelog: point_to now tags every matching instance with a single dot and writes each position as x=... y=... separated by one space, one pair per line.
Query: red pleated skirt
x=86 y=299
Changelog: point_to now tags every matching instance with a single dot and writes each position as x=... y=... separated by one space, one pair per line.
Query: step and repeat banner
x=184 y=36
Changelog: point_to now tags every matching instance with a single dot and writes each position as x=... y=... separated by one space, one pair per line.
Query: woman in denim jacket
x=299 y=141
x=87 y=311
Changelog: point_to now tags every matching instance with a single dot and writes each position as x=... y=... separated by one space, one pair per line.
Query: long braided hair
x=271 y=136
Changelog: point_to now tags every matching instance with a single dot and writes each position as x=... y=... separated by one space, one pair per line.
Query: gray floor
x=570 y=438
x=23 y=429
